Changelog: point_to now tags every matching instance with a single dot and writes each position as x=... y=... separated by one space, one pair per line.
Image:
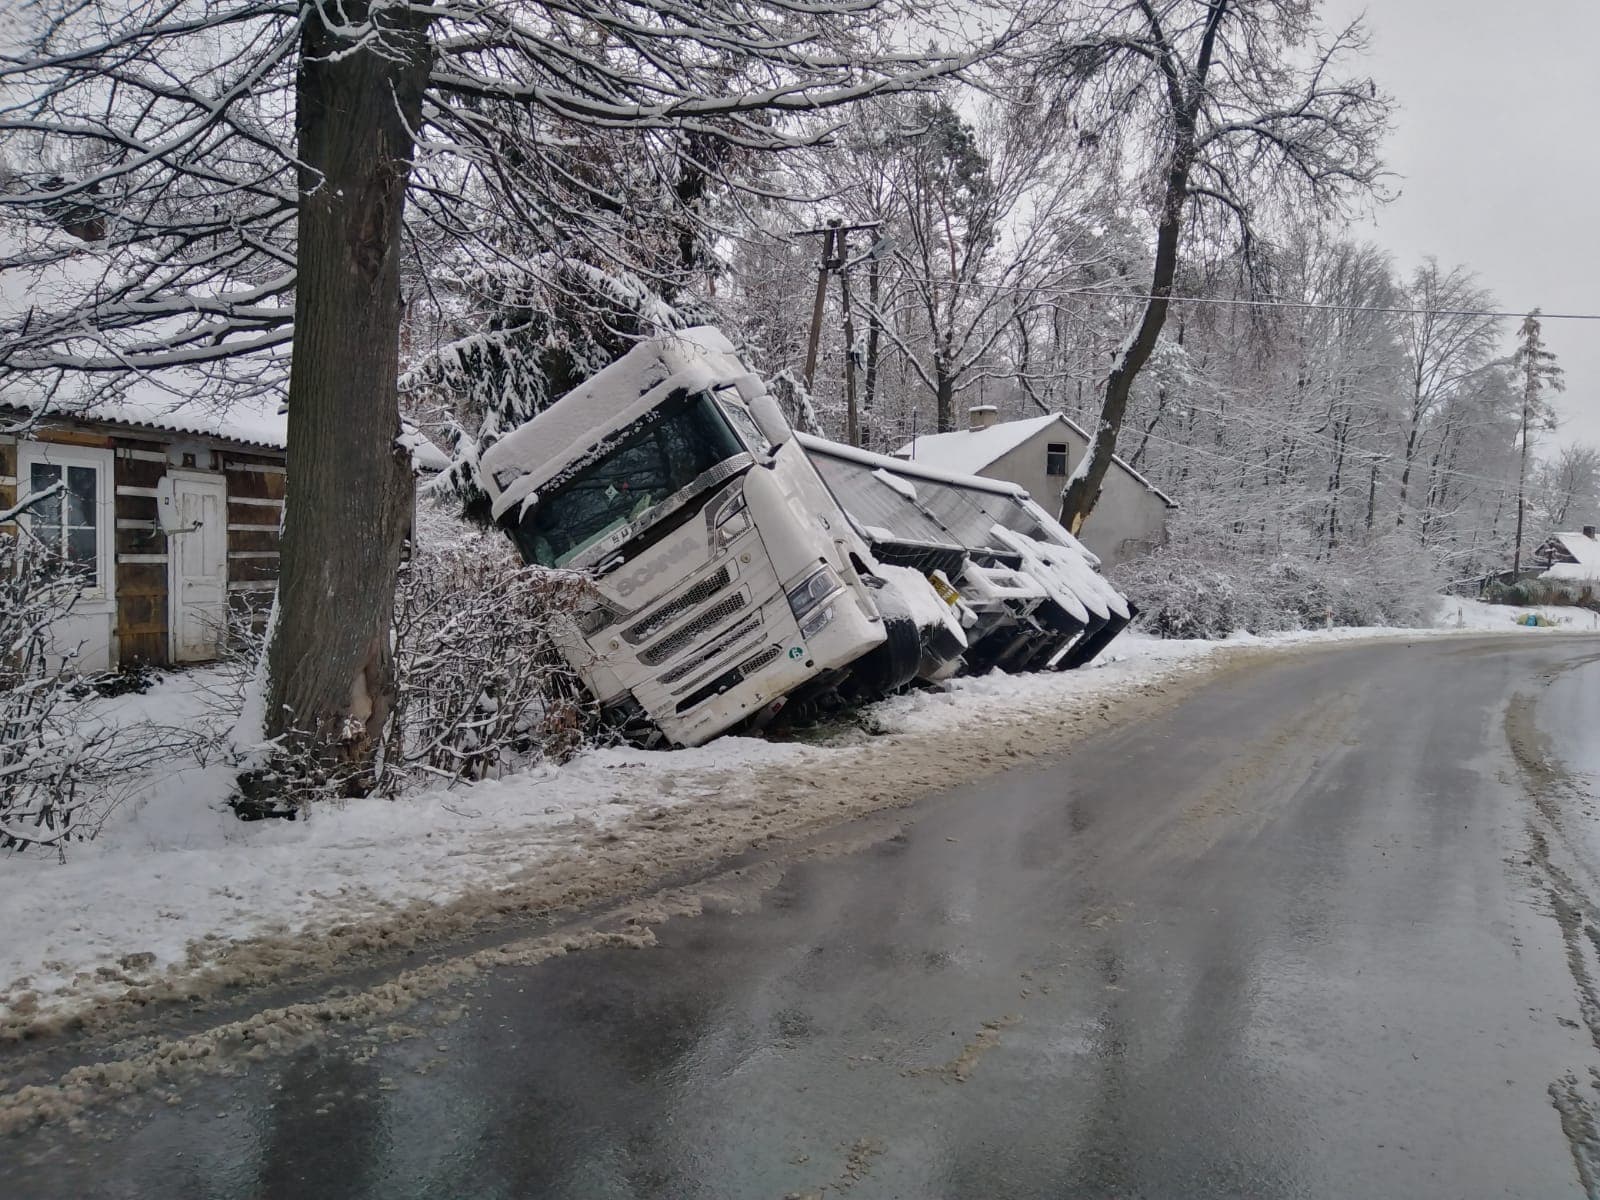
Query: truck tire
x=887 y=668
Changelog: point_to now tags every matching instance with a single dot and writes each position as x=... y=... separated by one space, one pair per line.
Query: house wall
x=138 y=625
x=1130 y=519
x=8 y=476
x=257 y=485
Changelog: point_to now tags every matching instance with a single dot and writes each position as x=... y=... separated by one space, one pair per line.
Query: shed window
x=66 y=522
x=1055 y=458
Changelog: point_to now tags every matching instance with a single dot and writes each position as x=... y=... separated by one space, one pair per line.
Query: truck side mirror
x=770 y=420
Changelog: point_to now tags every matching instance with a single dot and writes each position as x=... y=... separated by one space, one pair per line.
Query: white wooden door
x=198 y=557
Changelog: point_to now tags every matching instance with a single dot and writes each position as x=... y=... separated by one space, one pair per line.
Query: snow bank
x=1454 y=613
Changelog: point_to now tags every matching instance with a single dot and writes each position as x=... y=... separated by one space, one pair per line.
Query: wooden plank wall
x=8 y=476
x=141 y=553
x=256 y=489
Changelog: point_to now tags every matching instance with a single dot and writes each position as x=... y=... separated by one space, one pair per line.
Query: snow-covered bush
x=48 y=753
x=1185 y=595
x=1542 y=591
x=481 y=683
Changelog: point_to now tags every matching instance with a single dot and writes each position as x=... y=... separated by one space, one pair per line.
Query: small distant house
x=1039 y=454
x=1572 y=558
x=170 y=511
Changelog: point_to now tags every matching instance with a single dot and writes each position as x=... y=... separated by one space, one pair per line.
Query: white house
x=171 y=512
x=171 y=509
x=1574 y=558
x=1039 y=454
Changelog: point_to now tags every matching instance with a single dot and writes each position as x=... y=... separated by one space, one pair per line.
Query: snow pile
x=1459 y=613
x=904 y=486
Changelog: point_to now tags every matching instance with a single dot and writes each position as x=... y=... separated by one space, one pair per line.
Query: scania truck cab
x=725 y=579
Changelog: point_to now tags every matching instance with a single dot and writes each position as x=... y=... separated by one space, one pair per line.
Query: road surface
x=1326 y=929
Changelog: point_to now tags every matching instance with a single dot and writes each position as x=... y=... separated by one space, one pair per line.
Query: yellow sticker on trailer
x=946 y=593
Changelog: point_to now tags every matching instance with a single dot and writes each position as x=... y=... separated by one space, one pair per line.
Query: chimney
x=1588 y=532
x=982 y=416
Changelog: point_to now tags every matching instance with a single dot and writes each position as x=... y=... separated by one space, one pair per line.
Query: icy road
x=1326 y=928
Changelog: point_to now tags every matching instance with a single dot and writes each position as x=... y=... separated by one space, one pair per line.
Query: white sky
x=1498 y=146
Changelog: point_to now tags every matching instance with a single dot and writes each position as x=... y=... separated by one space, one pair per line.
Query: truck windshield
x=636 y=469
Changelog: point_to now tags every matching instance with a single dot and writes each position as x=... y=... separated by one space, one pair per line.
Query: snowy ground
x=176 y=897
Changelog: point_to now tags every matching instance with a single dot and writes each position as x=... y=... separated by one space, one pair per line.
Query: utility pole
x=873 y=326
x=852 y=417
x=835 y=240
x=824 y=265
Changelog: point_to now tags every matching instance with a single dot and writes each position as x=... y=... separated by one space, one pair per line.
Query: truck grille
x=657 y=621
x=680 y=640
x=760 y=661
x=699 y=659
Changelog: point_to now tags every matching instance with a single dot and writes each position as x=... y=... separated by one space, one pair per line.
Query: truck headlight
x=816 y=622
x=812 y=591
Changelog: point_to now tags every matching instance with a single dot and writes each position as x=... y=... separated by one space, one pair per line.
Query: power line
x=1047 y=289
x=1372 y=308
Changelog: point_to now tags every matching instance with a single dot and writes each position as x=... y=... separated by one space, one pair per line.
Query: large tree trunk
x=330 y=679
x=1082 y=492
x=944 y=398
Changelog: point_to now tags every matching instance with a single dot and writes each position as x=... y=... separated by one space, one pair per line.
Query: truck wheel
x=889 y=667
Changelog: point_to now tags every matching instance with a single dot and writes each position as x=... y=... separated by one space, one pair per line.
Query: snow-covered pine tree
x=1536 y=365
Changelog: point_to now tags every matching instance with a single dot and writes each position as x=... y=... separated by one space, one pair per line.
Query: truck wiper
x=610 y=564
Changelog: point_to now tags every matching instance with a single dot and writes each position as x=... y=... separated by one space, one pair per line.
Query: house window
x=67 y=523
x=75 y=525
x=1055 y=458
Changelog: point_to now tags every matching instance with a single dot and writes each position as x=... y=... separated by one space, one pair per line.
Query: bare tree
x=1450 y=338
x=1222 y=108
x=1569 y=485
x=254 y=164
x=978 y=216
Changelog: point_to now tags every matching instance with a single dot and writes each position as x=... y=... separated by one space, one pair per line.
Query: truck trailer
x=736 y=571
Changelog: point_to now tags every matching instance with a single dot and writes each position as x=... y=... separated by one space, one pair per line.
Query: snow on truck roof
x=971 y=450
x=540 y=449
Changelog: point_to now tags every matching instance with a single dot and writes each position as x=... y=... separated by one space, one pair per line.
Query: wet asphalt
x=1326 y=929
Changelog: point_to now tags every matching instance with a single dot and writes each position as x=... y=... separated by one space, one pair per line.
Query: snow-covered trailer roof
x=573 y=430
x=921 y=507
x=897 y=501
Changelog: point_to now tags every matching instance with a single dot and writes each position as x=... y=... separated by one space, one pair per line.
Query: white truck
x=729 y=579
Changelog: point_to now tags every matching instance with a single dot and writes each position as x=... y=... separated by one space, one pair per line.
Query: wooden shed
x=172 y=514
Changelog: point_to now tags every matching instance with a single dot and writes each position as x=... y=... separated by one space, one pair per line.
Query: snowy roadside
x=176 y=897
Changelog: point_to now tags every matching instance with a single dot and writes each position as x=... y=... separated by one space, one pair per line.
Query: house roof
x=970 y=451
x=256 y=421
x=171 y=399
x=1585 y=552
